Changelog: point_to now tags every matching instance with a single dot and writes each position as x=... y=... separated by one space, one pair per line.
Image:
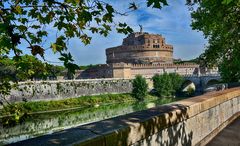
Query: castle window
x=145 y=41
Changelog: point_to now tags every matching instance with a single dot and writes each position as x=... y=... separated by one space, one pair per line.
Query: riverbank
x=68 y=104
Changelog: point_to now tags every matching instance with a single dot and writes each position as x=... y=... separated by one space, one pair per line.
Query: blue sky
x=172 y=21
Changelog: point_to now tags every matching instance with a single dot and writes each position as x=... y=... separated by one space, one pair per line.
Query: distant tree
x=7 y=69
x=140 y=87
x=87 y=67
x=176 y=81
x=29 y=67
x=54 y=70
x=166 y=85
x=162 y=85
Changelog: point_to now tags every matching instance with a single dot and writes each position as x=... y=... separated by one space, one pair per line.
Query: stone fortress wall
x=62 y=89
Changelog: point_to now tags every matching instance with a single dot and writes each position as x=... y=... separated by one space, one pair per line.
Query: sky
x=172 y=21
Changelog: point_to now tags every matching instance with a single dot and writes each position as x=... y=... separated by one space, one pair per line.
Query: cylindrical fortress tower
x=141 y=48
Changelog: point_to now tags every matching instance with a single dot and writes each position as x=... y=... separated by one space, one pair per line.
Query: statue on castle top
x=141 y=28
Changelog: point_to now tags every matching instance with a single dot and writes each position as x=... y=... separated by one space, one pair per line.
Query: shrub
x=167 y=85
x=176 y=82
x=140 y=87
x=162 y=85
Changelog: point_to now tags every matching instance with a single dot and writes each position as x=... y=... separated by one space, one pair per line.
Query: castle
x=140 y=53
x=141 y=48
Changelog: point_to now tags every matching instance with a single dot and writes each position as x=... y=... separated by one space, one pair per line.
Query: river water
x=47 y=123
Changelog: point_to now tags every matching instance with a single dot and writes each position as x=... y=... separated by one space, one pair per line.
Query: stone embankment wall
x=192 y=121
x=54 y=90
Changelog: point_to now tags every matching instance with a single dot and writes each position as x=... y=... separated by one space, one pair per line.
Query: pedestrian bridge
x=193 y=121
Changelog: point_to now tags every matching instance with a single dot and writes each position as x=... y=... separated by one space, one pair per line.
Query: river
x=47 y=123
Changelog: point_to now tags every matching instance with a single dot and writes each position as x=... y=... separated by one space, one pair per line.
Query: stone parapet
x=191 y=121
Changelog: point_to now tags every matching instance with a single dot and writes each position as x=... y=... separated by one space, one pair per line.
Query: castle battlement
x=164 y=65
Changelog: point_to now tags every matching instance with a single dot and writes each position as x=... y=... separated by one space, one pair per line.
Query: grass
x=81 y=102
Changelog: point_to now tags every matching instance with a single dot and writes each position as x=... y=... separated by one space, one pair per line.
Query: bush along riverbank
x=80 y=102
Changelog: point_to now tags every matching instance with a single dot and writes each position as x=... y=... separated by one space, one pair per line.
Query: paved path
x=229 y=136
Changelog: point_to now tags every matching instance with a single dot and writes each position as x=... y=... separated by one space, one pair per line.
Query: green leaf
x=156 y=3
x=36 y=49
x=226 y=2
x=59 y=45
x=133 y=6
x=107 y=27
x=22 y=28
x=85 y=39
x=36 y=26
x=18 y=9
x=99 y=6
x=109 y=8
x=42 y=33
x=94 y=29
x=23 y=20
x=98 y=20
x=54 y=47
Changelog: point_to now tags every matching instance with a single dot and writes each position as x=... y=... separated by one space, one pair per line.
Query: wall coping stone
x=75 y=80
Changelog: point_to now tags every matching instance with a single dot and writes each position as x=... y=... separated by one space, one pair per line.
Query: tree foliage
x=176 y=81
x=140 y=87
x=27 y=20
x=166 y=85
x=219 y=21
x=27 y=67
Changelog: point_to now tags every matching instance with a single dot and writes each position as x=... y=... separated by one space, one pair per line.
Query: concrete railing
x=192 y=121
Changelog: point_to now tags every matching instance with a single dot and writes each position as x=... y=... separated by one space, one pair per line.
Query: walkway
x=229 y=136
